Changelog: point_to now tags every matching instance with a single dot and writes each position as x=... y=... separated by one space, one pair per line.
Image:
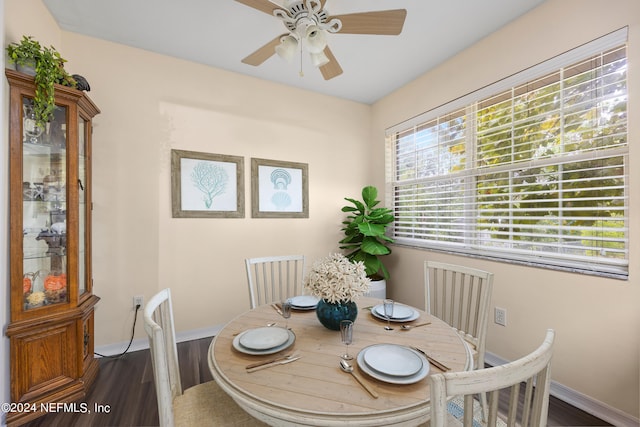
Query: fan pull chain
x=301 y=73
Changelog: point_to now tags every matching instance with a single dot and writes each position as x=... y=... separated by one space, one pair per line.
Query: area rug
x=455 y=408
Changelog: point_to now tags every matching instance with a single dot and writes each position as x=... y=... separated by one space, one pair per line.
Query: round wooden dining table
x=313 y=390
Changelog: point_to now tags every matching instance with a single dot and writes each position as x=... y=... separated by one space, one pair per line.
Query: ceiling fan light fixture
x=308 y=22
x=319 y=59
x=287 y=48
x=316 y=39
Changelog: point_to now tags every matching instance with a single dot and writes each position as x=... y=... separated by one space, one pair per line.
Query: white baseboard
x=579 y=400
x=143 y=343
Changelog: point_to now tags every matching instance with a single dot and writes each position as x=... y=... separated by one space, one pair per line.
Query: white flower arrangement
x=337 y=279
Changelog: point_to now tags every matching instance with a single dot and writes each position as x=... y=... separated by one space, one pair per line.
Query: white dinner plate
x=304 y=302
x=264 y=338
x=400 y=312
x=420 y=375
x=393 y=360
x=380 y=309
x=236 y=344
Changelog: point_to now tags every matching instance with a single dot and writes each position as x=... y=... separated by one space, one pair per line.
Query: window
x=531 y=169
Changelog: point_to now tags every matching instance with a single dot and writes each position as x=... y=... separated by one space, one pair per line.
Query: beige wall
x=30 y=18
x=596 y=319
x=151 y=104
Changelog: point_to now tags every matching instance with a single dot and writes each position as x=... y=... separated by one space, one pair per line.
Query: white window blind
x=534 y=171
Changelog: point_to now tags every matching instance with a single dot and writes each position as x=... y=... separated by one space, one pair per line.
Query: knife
x=276 y=363
x=433 y=361
x=275 y=359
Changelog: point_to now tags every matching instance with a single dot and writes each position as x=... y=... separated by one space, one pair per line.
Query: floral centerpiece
x=337 y=282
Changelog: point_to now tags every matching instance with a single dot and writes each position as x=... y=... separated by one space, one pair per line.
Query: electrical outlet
x=138 y=300
x=500 y=316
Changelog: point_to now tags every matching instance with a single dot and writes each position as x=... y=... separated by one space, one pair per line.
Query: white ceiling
x=220 y=33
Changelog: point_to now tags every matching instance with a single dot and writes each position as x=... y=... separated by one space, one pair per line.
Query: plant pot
x=331 y=314
x=28 y=69
x=377 y=289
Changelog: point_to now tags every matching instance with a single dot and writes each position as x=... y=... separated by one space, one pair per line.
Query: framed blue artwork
x=279 y=189
x=205 y=185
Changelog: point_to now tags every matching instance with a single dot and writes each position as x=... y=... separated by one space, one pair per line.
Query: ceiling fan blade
x=331 y=69
x=262 y=5
x=383 y=22
x=264 y=53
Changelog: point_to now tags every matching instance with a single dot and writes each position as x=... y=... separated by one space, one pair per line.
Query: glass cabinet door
x=44 y=185
x=82 y=206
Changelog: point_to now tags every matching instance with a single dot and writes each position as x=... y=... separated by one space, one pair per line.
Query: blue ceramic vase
x=331 y=314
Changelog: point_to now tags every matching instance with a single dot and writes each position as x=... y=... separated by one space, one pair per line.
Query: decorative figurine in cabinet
x=52 y=301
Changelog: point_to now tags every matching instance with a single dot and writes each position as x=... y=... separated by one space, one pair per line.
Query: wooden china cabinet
x=52 y=303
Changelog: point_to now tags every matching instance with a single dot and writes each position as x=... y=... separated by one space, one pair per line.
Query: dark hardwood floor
x=125 y=395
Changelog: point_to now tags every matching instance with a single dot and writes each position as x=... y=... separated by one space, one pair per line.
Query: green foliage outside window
x=538 y=168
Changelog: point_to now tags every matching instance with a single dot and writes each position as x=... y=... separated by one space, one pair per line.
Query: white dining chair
x=273 y=279
x=204 y=404
x=461 y=296
x=531 y=373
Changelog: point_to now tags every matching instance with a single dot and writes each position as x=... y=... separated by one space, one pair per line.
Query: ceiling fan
x=308 y=23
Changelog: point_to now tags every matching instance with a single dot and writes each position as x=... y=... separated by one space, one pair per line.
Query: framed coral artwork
x=205 y=185
x=279 y=189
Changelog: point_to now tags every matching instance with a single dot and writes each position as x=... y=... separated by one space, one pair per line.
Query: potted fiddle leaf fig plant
x=48 y=68
x=364 y=229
